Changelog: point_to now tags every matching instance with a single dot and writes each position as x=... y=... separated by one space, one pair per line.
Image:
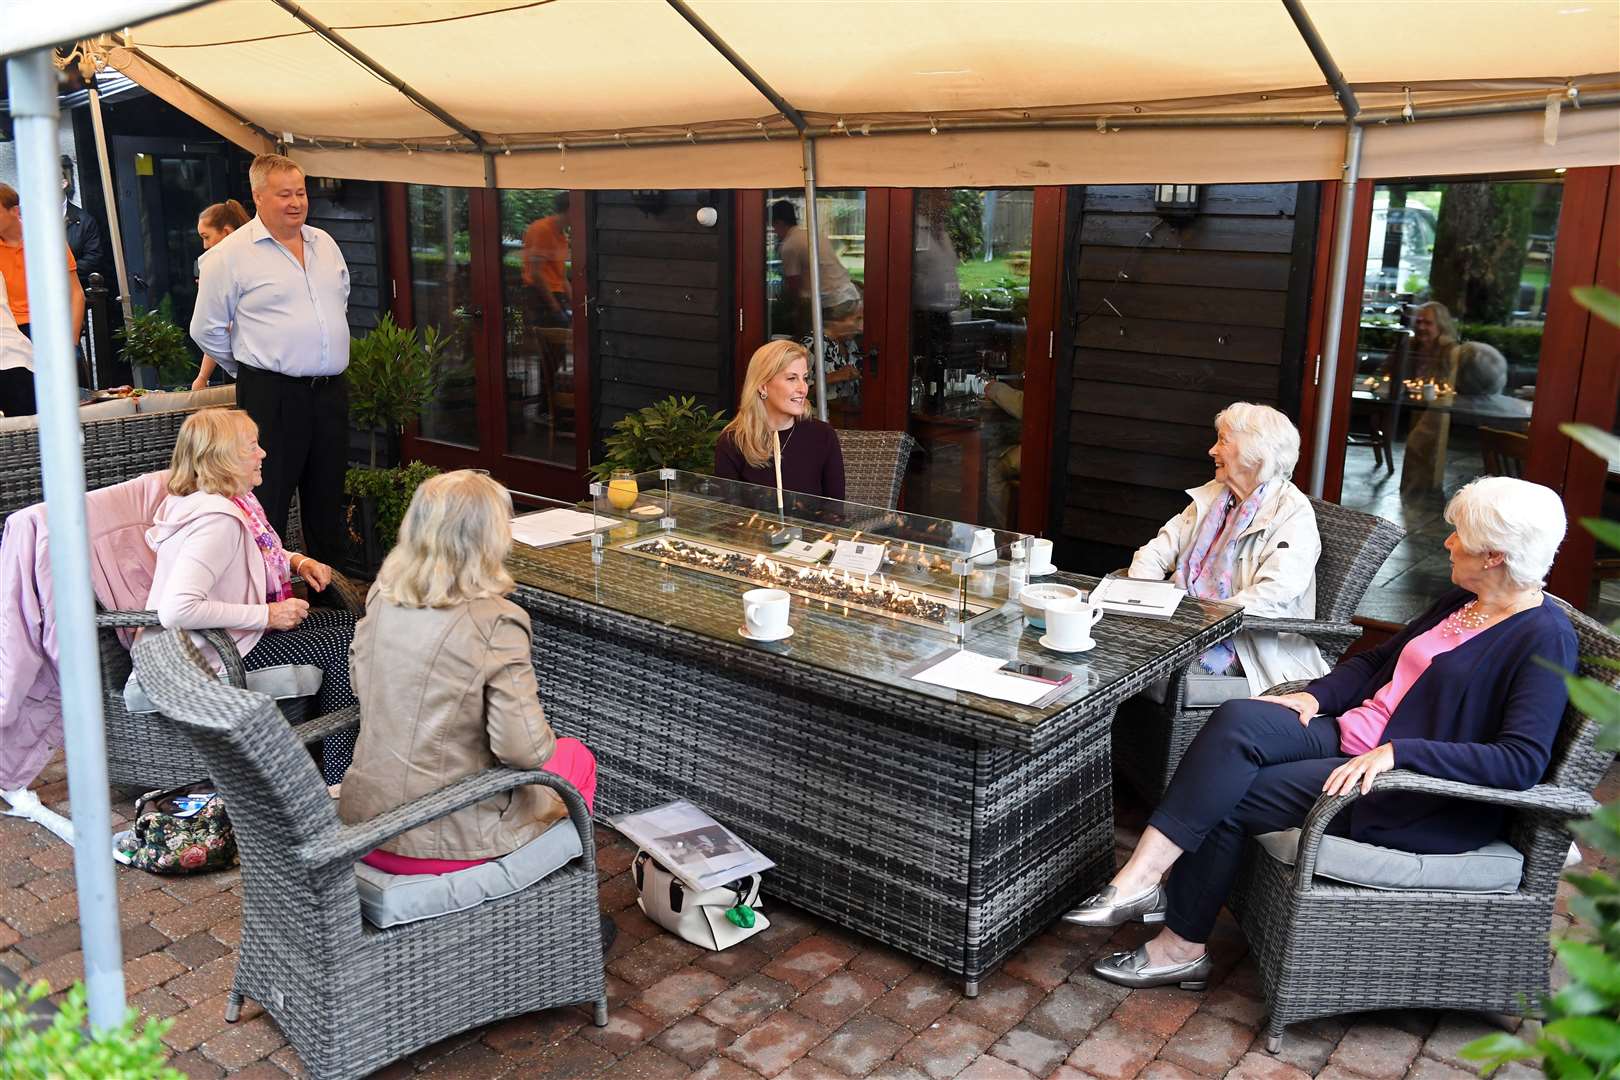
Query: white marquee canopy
x=628 y=93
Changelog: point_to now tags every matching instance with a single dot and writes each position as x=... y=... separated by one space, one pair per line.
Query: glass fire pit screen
x=844 y=556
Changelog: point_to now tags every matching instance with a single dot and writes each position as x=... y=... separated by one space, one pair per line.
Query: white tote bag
x=696 y=917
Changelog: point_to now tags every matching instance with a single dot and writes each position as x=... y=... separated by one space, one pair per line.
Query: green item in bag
x=742 y=915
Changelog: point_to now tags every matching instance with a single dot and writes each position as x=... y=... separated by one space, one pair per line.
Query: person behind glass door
x=15 y=271
x=1430 y=357
x=273 y=310
x=213 y=225
x=83 y=233
x=776 y=393
x=545 y=266
x=1472 y=690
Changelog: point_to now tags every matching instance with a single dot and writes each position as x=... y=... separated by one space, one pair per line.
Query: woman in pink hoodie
x=220 y=565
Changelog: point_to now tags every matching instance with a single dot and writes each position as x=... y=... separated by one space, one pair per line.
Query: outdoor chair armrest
x=1288 y=687
x=1333 y=633
x=353 y=841
x=1550 y=800
x=324 y=727
x=223 y=643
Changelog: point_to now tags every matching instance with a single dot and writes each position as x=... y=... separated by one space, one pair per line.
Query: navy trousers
x=1254 y=768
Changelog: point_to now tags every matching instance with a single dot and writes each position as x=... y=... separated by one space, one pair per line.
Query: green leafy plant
x=676 y=433
x=1580 y=1039
x=63 y=1051
x=390 y=491
x=393 y=375
x=151 y=339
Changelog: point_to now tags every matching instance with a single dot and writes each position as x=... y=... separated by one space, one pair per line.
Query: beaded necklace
x=1473 y=616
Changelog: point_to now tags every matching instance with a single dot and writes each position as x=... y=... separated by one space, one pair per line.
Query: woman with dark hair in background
x=214 y=224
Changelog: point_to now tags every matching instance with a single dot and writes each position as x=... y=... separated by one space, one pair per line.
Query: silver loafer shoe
x=1131 y=969
x=1107 y=909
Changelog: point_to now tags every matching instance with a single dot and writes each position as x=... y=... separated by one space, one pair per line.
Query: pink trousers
x=572 y=760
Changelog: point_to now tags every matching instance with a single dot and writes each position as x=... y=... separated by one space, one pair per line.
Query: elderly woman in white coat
x=1248 y=538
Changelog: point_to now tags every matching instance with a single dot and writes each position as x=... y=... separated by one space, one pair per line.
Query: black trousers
x=17 y=392
x=1252 y=769
x=304 y=430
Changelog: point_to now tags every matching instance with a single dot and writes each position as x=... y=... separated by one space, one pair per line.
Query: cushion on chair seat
x=1204 y=691
x=1494 y=868
x=391 y=899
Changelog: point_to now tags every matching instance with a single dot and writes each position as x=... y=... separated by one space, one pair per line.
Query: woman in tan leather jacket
x=441 y=665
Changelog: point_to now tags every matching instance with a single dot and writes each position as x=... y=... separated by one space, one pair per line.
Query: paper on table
x=980 y=674
x=1128 y=596
x=558 y=526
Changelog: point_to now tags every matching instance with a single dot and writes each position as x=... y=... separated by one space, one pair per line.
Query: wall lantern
x=649 y=201
x=1179 y=202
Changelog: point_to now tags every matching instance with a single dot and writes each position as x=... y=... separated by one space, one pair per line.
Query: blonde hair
x=208 y=452
x=265 y=164
x=452 y=545
x=226 y=216
x=750 y=429
x=1445 y=324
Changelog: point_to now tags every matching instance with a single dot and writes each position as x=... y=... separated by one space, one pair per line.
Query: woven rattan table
x=950 y=826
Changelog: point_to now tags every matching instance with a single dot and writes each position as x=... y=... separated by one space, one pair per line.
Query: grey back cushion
x=1494 y=868
x=392 y=899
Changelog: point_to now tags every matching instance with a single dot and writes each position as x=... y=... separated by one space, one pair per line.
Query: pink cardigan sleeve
x=194 y=558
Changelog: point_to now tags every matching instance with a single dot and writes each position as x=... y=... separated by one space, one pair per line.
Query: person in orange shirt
x=17 y=392
x=11 y=265
x=545 y=265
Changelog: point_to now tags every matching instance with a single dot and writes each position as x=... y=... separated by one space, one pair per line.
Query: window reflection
x=969 y=317
x=441 y=296
x=536 y=259
x=1448 y=349
x=841 y=250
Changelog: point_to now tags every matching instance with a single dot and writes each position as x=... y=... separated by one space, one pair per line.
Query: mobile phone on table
x=1039 y=672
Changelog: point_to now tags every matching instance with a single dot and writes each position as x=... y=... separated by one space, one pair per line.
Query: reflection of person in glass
x=935 y=290
x=775 y=393
x=545 y=265
x=840 y=298
x=1431 y=357
x=1482 y=374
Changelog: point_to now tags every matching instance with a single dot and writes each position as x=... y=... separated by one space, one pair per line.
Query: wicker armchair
x=1150 y=737
x=1325 y=948
x=875 y=465
x=349 y=997
x=142 y=748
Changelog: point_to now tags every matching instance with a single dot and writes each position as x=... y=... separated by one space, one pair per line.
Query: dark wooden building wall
x=661 y=288
x=1165 y=324
x=353 y=215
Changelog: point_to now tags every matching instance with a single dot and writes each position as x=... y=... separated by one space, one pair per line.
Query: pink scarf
x=277 y=571
x=1205 y=569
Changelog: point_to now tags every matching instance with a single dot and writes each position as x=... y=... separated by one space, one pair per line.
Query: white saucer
x=783 y=636
x=1047 y=643
x=1042 y=573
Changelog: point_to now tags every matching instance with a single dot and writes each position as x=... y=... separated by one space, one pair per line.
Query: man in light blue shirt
x=272 y=309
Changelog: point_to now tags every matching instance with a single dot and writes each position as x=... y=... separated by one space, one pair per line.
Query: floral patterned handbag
x=180 y=831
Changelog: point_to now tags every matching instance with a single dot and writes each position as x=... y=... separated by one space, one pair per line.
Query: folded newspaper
x=692 y=845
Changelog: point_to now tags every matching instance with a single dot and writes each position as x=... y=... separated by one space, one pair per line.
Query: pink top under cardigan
x=1362 y=728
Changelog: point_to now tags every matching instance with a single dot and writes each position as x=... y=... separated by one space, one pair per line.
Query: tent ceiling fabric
x=581 y=73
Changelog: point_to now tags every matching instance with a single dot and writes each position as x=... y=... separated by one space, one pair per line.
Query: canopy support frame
x=812 y=217
x=359 y=56
x=32 y=78
x=115 y=234
x=1327 y=373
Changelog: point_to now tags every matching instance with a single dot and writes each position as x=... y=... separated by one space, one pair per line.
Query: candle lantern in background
x=1178 y=202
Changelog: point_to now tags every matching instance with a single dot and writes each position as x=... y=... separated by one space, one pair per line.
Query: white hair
x=1523 y=521
x=1267 y=441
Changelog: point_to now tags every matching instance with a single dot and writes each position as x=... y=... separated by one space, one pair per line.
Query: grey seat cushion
x=392 y=899
x=1494 y=868
x=1203 y=690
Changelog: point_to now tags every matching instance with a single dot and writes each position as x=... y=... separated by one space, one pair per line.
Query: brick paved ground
x=802 y=1001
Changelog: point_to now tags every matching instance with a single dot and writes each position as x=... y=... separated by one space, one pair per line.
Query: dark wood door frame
x=1046 y=270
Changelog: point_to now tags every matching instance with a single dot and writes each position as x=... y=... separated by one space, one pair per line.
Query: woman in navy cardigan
x=1459 y=695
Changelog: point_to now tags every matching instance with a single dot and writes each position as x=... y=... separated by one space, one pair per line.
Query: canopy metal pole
x=812 y=223
x=1338 y=276
x=32 y=78
x=110 y=197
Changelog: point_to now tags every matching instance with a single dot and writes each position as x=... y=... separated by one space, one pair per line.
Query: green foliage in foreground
x=392 y=489
x=62 y=1051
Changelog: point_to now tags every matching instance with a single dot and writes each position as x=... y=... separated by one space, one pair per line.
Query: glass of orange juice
x=621 y=489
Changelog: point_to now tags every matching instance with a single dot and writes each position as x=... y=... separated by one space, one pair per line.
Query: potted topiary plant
x=675 y=433
x=156 y=348
x=394 y=373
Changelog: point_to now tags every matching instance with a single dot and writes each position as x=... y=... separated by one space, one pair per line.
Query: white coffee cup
x=1430 y=391
x=984 y=546
x=1069 y=623
x=1040 y=557
x=765 y=612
